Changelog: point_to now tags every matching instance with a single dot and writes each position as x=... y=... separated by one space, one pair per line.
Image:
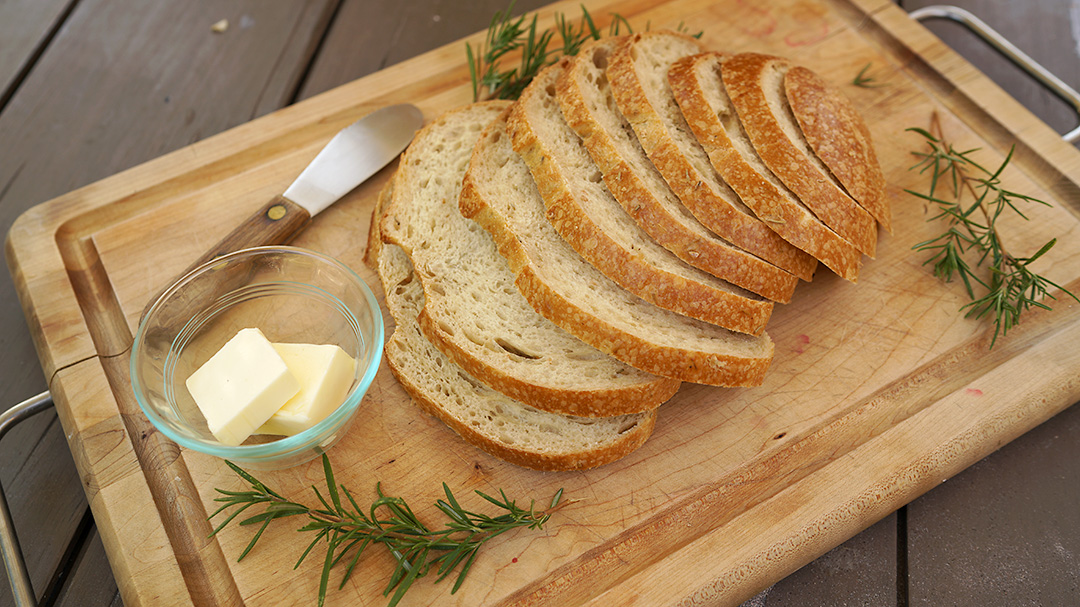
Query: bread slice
x=837 y=134
x=755 y=83
x=638 y=76
x=473 y=311
x=499 y=193
x=583 y=211
x=495 y=423
x=585 y=98
x=702 y=97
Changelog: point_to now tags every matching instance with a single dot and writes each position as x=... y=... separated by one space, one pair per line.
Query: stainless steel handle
x=1017 y=56
x=14 y=564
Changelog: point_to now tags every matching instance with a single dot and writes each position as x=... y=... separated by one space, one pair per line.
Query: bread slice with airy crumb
x=840 y=138
x=584 y=212
x=637 y=72
x=585 y=98
x=755 y=84
x=702 y=98
x=499 y=193
x=489 y=420
x=473 y=311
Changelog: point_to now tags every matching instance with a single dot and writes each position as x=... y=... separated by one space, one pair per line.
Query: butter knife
x=351 y=157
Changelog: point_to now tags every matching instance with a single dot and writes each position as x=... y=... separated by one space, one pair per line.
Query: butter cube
x=325 y=373
x=241 y=386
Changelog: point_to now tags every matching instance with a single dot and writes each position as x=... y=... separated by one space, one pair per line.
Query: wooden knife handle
x=277 y=222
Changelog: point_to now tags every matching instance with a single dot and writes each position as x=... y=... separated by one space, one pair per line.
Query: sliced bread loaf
x=506 y=428
x=755 y=84
x=473 y=311
x=585 y=98
x=701 y=95
x=499 y=193
x=638 y=76
x=584 y=212
x=837 y=134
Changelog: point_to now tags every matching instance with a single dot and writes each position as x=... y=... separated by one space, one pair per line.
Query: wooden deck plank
x=91 y=583
x=25 y=28
x=368 y=35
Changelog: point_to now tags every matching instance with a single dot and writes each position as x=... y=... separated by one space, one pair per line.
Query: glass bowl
x=291 y=294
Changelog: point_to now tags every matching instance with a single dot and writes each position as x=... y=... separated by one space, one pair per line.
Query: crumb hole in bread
x=596 y=177
x=627 y=426
x=550 y=89
x=600 y=57
x=436 y=288
x=445 y=327
x=465 y=377
x=516 y=351
x=473 y=337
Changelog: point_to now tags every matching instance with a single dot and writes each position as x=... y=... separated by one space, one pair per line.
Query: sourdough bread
x=489 y=420
x=837 y=134
x=499 y=193
x=585 y=98
x=755 y=84
x=702 y=97
x=473 y=311
x=638 y=77
x=584 y=212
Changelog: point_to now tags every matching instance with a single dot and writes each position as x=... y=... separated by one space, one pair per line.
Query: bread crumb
x=220 y=26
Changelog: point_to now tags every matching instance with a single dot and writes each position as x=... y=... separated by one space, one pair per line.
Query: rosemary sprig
x=506 y=35
x=1011 y=287
x=863 y=81
x=389 y=521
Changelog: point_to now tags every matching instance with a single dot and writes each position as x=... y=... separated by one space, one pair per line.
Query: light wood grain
x=868 y=403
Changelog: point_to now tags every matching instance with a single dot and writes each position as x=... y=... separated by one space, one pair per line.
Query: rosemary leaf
x=971 y=211
x=389 y=522
x=538 y=49
x=863 y=81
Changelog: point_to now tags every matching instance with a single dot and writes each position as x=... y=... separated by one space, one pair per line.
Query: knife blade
x=356 y=153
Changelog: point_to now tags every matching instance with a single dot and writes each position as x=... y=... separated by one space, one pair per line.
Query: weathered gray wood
x=25 y=26
x=368 y=35
x=89 y=584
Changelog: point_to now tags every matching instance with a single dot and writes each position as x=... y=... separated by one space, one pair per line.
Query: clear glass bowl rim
x=288 y=445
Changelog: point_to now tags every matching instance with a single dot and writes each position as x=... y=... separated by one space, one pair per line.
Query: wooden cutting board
x=878 y=391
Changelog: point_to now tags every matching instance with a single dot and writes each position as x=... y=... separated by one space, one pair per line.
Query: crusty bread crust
x=840 y=138
x=483 y=417
x=622 y=262
x=374 y=239
x=749 y=78
x=586 y=104
x=640 y=346
x=770 y=200
x=704 y=195
x=512 y=349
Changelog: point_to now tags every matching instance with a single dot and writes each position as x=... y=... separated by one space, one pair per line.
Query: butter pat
x=325 y=373
x=241 y=386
